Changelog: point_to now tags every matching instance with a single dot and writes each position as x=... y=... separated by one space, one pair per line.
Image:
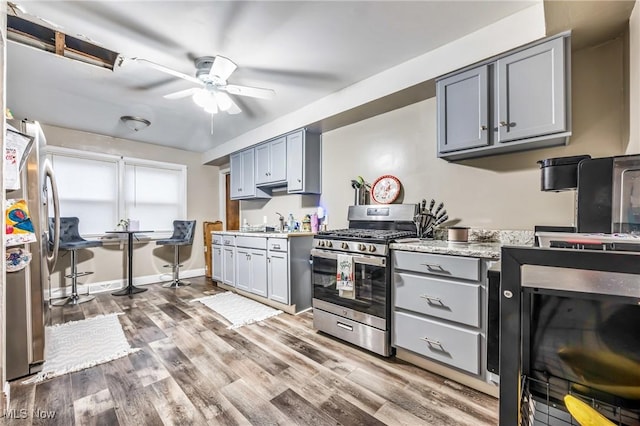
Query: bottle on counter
x=291 y=222
x=306 y=223
x=314 y=222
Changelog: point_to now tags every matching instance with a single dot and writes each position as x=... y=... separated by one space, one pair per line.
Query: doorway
x=231 y=207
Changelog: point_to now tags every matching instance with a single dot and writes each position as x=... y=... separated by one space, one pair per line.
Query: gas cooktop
x=365 y=234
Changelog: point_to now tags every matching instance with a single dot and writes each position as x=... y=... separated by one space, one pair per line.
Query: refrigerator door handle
x=52 y=256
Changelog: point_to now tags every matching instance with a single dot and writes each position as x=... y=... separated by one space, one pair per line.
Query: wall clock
x=385 y=189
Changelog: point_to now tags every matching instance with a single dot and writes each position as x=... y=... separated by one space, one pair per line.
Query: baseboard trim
x=112 y=285
x=491 y=389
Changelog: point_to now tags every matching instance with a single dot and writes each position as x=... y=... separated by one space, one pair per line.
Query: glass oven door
x=569 y=331
x=370 y=282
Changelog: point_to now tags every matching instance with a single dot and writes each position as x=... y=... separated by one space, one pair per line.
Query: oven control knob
x=372 y=248
x=329 y=244
x=362 y=247
x=321 y=243
x=345 y=246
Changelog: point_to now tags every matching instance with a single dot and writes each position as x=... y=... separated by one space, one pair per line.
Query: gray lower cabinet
x=216 y=261
x=243 y=265
x=273 y=268
x=439 y=308
x=278 y=270
x=228 y=265
x=517 y=101
x=251 y=264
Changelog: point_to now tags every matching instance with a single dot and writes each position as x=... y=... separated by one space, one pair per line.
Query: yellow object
x=584 y=413
x=605 y=371
x=7 y=114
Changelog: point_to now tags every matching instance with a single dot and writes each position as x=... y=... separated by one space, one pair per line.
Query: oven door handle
x=375 y=261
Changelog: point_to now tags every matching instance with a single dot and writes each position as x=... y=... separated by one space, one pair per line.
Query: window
x=101 y=189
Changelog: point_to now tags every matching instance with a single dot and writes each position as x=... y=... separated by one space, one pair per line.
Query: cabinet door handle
x=504 y=124
x=431 y=342
x=431 y=299
x=299 y=180
x=483 y=127
x=345 y=326
x=239 y=189
x=275 y=246
x=434 y=267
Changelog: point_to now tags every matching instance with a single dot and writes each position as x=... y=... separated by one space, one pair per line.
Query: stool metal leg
x=175 y=271
x=75 y=298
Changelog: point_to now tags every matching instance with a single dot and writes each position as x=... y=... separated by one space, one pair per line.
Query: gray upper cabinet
x=271 y=162
x=463 y=110
x=517 y=101
x=242 y=169
x=304 y=163
x=294 y=160
x=531 y=92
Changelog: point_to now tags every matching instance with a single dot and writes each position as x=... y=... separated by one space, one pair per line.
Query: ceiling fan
x=212 y=73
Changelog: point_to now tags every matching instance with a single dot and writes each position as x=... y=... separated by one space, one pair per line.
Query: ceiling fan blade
x=254 y=92
x=222 y=68
x=234 y=108
x=182 y=93
x=168 y=70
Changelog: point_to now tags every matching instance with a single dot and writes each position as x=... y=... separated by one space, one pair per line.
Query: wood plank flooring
x=192 y=370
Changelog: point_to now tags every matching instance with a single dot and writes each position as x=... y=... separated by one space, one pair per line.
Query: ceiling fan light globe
x=211 y=109
x=201 y=98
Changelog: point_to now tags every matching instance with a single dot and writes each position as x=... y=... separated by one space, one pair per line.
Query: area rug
x=238 y=310
x=77 y=345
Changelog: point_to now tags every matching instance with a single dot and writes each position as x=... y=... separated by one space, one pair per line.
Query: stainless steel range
x=360 y=316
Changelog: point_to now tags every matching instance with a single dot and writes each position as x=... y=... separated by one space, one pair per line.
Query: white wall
x=499 y=192
x=109 y=262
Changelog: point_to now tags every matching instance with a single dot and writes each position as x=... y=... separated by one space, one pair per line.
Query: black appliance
x=595 y=195
x=361 y=316
x=568 y=325
x=608 y=198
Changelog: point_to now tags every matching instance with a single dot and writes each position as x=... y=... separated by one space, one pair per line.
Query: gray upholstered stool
x=183 y=231
x=71 y=241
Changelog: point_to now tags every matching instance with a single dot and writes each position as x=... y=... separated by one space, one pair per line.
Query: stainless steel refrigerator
x=25 y=289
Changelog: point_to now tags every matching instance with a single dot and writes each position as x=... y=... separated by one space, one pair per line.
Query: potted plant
x=123 y=224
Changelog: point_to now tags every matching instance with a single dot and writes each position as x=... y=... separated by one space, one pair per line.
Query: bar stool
x=183 y=232
x=70 y=240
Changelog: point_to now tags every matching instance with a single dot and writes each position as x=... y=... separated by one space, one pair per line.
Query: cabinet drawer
x=252 y=242
x=451 y=345
x=277 y=244
x=216 y=239
x=228 y=240
x=466 y=268
x=450 y=300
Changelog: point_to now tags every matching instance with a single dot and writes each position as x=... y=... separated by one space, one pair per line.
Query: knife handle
x=431 y=204
x=441 y=220
x=440 y=206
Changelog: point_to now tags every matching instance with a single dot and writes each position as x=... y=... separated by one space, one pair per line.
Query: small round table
x=130 y=288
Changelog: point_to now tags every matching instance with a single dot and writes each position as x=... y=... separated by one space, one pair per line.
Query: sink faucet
x=281 y=219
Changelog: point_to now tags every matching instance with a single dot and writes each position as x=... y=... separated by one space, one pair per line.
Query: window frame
x=121 y=162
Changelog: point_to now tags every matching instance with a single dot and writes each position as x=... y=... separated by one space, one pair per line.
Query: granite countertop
x=482 y=243
x=265 y=234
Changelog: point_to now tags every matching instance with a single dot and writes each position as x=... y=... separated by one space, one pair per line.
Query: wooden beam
x=59 y=43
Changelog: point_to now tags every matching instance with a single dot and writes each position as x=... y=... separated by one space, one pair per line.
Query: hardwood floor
x=192 y=370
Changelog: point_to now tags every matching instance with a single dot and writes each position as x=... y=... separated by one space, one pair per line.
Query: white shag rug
x=237 y=309
x=77 y=345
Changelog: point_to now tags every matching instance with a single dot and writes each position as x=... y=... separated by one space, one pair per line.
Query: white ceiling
x=304 y=50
